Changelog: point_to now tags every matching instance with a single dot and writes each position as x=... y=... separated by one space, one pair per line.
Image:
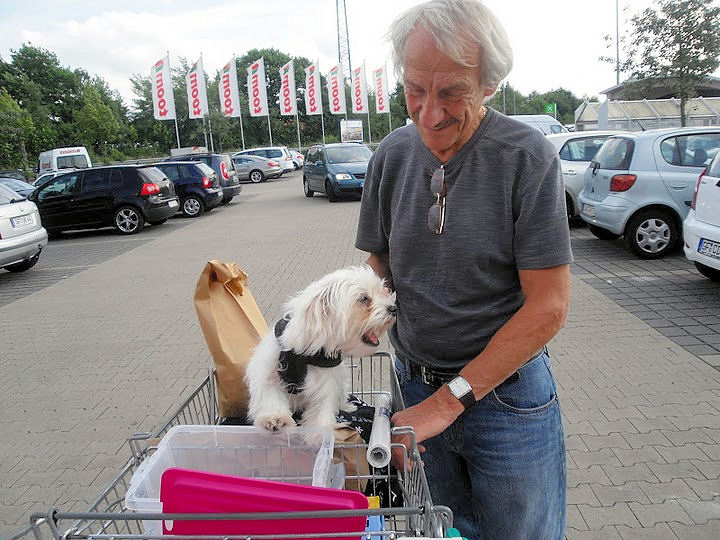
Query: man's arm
x=547 y=297
x=380 y=262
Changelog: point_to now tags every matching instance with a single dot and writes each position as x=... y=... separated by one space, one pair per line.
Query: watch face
x=459 y=386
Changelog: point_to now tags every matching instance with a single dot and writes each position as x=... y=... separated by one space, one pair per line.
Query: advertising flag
x=257 y=93
x=196 y=91
x=382 y=98
x=162 y=90
x=228 y=90
x=336 y=90
x=288 y=100
x=313 y=93
x=359 y=94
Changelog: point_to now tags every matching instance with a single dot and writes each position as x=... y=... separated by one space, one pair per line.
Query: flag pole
x=367 y=103
x=204 y=132
x=269 y=128
x=297 y=125
x=177 y=132
x=242 y=134
x=322 y=125
x=212 y=143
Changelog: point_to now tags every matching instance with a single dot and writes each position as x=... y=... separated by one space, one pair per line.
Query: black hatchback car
x=222 y=165
x=196 y=185
x=120 y=196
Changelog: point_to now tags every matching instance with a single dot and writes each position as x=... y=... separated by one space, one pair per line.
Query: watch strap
x=468 y=399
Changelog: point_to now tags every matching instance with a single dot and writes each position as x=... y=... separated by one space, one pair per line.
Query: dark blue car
x=196 y=185
x=337 y=169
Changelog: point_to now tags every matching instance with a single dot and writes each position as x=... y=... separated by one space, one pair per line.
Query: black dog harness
x=293 y=365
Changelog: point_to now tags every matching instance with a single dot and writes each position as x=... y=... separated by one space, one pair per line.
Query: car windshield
x=15 y=184
x=152 y=174
x=72 y=162
x=355 y=153
x=615 y=154
x=8 y=196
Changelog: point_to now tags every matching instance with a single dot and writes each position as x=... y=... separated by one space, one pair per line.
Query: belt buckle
x=424 y=376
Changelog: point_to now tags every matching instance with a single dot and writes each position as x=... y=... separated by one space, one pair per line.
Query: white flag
x=257 y=93
x=228 y=90
x=196 y=91
x=162 y=90
x=313 y=92
x=359 y=94
x=288 y=100
x=336 y=90
x=382 y=96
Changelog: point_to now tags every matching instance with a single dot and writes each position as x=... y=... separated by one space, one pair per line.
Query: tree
x=678 y=43
x=18 y=129
x=95 y=124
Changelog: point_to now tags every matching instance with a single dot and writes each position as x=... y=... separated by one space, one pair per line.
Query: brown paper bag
x=351 y=451
x=233 y=326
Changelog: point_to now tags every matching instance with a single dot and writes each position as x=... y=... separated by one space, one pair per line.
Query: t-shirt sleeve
x=542 y=235
x=371 y=236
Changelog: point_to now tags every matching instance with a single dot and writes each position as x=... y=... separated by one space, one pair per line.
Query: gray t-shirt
x=505 y=211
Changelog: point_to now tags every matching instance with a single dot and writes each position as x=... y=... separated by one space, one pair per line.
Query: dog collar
x=293 y=365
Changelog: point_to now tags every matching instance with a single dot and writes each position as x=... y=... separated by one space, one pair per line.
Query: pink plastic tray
x=184 y=490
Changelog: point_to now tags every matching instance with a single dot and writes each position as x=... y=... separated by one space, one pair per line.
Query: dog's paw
x=275 y=422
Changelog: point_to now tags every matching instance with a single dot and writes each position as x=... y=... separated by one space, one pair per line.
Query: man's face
x=443 y=98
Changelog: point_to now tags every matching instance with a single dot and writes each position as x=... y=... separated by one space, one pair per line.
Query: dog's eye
x=364 y=299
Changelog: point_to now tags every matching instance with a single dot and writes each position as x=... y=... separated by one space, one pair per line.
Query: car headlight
x=343 y=176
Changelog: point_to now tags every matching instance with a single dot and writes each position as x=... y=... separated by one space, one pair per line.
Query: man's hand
x=428 y=418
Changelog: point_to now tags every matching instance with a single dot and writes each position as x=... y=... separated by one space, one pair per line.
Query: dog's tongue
x=371 y=338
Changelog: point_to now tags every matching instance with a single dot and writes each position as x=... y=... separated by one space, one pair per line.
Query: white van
x=75 y=157
x=543 y=122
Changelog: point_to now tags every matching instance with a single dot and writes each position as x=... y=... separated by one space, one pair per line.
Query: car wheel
x=295 y=165
x=573 y=220
x=256 y=176
x=651 y=234
x=157 y=222
x=602 y=234
x=128 y=220
x=330 y=192
x=192 y=206
x=306 y=188
x=24 y=265
x=710 y=273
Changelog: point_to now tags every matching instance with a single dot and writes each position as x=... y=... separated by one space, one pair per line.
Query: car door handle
x=677 y=185
x=571 y=173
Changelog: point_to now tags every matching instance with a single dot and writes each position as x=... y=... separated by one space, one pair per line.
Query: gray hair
x=459 y=28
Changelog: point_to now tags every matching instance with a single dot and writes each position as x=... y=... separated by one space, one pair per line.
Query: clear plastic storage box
x=300 y=455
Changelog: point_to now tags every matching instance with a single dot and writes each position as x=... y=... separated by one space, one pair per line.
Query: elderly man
x=464 y=213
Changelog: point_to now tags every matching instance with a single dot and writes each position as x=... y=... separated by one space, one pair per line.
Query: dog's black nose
x=392 y=310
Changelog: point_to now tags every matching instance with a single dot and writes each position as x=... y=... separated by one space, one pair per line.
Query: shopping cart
x=107 y=517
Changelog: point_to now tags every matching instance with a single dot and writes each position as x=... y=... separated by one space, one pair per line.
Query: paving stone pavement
x=112 y=348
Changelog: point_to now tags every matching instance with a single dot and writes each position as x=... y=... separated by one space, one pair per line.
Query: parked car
x=18 y=186
x=42 y=178
x=542 y=122
x=279 y=153
x=298 y=159
x=336 y=169
x=701 y=229
x=120 y=196
x=256 y=168
x=22 y=236
x=196 y=185
x=576 y=152
x=640 y=186
x=222 y=165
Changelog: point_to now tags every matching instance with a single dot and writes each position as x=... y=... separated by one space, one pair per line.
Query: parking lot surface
x=101 y=340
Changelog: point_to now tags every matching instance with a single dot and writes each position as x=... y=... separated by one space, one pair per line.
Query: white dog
x=298 y=365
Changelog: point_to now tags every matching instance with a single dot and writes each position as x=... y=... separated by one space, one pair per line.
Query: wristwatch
x=462 y=390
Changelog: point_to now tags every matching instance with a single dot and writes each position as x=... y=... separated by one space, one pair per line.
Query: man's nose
x=431 y=112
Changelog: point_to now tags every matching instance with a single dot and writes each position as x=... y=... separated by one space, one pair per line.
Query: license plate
x=22 y=221
x=172 y=204
x=709 y=248
x=588 y=210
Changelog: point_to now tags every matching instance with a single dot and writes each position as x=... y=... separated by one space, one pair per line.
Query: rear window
x=581 y=149
x=7 y=195
x=275 y=152
x=615 y=154
x=207 y=171
x=714 y=167
x=72 y=162
x=152 y=174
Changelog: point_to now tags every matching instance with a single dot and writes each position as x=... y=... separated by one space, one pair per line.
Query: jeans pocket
x=534 y=392
x=401 y=370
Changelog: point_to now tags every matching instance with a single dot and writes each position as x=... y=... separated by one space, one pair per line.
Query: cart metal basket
x=107 y=518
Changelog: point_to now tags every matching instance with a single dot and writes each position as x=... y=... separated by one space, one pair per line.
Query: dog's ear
x=320 y=307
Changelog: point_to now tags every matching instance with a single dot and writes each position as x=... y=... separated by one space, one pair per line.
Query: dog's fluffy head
x=345 y=312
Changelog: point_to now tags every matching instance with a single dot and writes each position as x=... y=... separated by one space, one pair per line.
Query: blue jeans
x=500 y=466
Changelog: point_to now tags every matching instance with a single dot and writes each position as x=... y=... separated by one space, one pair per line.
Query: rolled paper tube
x=378 y=452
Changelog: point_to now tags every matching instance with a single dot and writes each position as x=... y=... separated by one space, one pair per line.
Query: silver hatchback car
x=22 y=236
x=640 y=186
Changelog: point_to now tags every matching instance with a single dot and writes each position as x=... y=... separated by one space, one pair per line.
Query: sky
x=556 y=43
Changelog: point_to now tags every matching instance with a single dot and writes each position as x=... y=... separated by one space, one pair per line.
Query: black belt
x=437 y=377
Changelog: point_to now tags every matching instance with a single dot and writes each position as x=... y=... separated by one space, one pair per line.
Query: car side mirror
x=319 y=163
x=32 y=196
